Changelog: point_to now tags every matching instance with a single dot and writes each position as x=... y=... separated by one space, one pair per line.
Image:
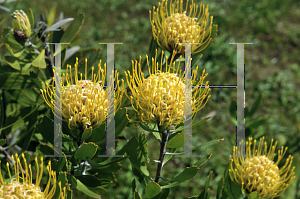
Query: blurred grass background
x=271 y=68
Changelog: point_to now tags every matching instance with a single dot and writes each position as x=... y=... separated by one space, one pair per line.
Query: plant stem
x=163 y=145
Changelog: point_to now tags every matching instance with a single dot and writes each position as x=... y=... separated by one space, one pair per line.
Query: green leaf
x=220 y=188
x=30 y=17
x=187 y=174
x=212 y=142
x=17 y=54
x=164 y=194
x=8 y=37
x=17 y=63
x=200 y=162
x=1 y=112
x=231 y=190
x=58 y=24
x=11 y=81
x=136 y=194
x=86 y=151
x=214 y=31
x=256 y=123
x=120 y=121
x=39 y=61
x=81 y=187
x=173 y=184
x=152 y=48
x=179 y=140
x=168 y=157
x=255 y=105
x=2 y=142
x=86 y=134
x=142 y=178
x=195 y=59
x=253 y=195
x=152 y=190
x=72 y=30
x=143 y=145
x=232 y=109
x=205 y=194
x=135 y=155
x=89 y=180
x=46 y=128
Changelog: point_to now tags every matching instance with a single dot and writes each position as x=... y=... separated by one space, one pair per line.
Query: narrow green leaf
x=214 y=31
x=232 y=109
x=58 y=24
x=179 y=140
x=206 y=192
x=72 y=30
x=212 y=142
x=46 y=128
x=231 y=190
x=173 y=184
x=152 y=190
x=187 y=174
x=220 y=188
x=39 y=61
x=81 y=187
x=255 y=105
x=201 y=161
x=86 y=151
x=30 y=17
x=89 y=180
x=121 y=121
x=257 y=123
x=143 y=145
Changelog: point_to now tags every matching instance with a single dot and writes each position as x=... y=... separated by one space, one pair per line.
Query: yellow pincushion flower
x=173 y=24
x=84 y=102
x=258 y=172
x=22 y=187
x=160 y=98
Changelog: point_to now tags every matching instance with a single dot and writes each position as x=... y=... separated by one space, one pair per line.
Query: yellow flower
x=174 y=24
x=22 y=187
x=21 y=21
x=84 y=102
x=160 y=98
x=258 y=172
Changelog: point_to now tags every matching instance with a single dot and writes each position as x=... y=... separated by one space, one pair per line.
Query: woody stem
x=163 y=146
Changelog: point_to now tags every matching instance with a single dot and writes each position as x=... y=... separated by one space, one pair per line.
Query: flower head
x=21 y=22
x=173 y=24
x=258 y=172
x=160 y=98
x=22 y=187
x=84 y=102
